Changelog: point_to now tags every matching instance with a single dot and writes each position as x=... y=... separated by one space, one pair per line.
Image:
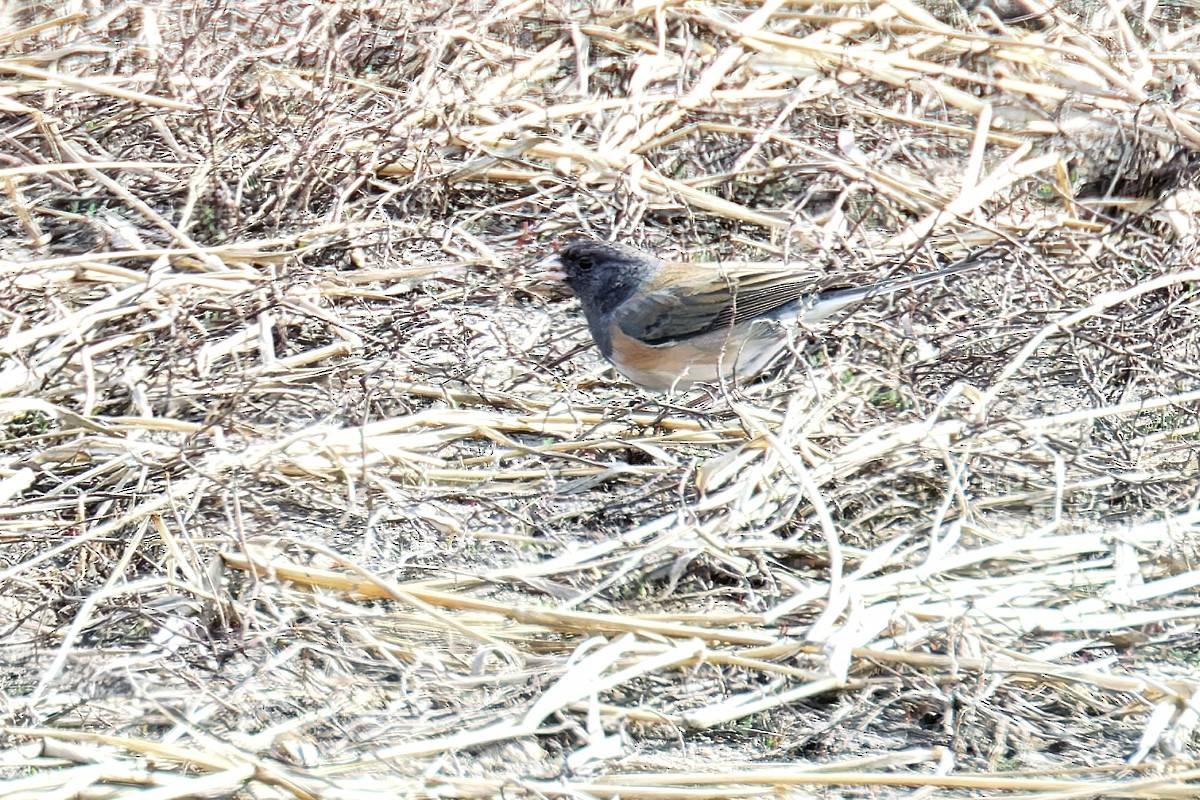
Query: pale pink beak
x=549 y=268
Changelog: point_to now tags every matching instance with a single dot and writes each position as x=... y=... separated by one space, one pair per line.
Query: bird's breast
x=718 y=356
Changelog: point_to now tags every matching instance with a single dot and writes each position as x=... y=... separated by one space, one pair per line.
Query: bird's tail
x=831 y=301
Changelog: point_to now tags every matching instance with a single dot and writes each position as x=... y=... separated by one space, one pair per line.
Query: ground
x=311 y=488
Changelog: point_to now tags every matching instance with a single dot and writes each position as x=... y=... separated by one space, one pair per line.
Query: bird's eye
x=585 y=263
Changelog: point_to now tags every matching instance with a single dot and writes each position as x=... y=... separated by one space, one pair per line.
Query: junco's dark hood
x=603 y=275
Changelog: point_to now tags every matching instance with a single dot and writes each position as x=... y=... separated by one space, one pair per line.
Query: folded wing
x=720 y=299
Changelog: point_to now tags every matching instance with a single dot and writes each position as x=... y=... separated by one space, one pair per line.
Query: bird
x=668 y=325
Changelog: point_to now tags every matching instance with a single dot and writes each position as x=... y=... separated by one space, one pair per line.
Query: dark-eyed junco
x=666 y=325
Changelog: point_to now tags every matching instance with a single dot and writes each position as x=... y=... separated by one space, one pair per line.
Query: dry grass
x=310 y=491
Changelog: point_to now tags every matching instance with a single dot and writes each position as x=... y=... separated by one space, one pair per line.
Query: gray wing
x=685 y=312
x=730 y=295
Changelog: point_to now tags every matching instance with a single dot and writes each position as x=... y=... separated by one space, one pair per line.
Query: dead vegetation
x=310 y=491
